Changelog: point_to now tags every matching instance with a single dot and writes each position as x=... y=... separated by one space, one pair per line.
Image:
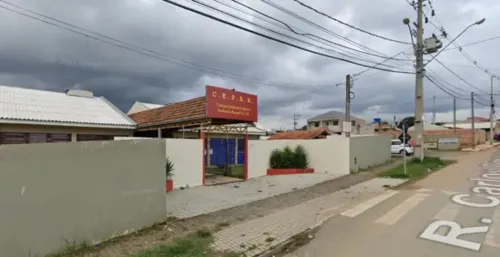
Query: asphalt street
x=454 y=212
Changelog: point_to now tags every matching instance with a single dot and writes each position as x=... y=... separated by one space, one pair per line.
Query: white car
x=397 y=147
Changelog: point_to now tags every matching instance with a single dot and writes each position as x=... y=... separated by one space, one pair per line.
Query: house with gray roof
x=333 y=121
x=38 y=116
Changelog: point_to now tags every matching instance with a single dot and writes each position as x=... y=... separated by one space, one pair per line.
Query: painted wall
x=51 y=194
x=69 y=130
x=338 y=155
x=187 y=156
x=325 y=155
x=369 y=150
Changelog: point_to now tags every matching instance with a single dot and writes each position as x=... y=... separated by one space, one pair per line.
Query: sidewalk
x=259 y=235
x=173 y=228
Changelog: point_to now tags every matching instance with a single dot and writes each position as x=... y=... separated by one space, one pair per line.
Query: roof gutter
x=66 y=124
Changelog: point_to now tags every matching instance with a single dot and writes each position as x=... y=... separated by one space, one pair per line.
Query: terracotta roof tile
x=301 y=134
x=186 y=110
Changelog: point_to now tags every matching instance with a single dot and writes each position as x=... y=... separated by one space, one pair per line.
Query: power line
x=458 y=76
x=347 y=24
x=138 y=49
x=475 y=42
x=281 y=34
x=322 y=28
x=278 y=40
x=296 y=30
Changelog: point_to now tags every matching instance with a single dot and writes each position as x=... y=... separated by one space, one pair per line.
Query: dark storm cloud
x=36 y=55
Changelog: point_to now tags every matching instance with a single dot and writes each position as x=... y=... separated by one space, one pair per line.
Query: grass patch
x=193 y=245
x=234 y=170
x=415 y=168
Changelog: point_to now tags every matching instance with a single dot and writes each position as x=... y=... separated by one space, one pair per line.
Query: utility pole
x=295 y=119
x=454 y=115
x=347 y=122
x=419 y=84
x=434 y=109
x=472 y=125
x=492 y=110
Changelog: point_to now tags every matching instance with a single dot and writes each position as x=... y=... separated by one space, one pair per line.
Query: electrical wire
x=141 y=50
x=458 y=76
x=475 y=43
x=347 y=24
x=278 y=40
x=284 y=35
x=322 y=28
x=295 y=30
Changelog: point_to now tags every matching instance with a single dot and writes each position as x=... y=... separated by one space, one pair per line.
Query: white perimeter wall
x=369 y=150
x=337 y=155
x=187 y=156
x=325 y=155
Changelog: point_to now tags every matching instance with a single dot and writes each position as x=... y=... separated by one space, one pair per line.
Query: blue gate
x=223 y=151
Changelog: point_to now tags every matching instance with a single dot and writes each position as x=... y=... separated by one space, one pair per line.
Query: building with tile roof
x=141 y=106
x=37 y=116
x=333 y=120
x=318 y=133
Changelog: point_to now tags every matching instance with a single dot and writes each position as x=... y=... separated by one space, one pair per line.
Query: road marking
x=425 y=190
x=450 y=193
x=360 y=208
x=401 y=210
x=493 y=236
x=449 y=212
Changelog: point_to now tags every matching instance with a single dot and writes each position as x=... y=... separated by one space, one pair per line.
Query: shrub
x=275 y=160
x=300 y=159
x=169 y=168
x=288 y=158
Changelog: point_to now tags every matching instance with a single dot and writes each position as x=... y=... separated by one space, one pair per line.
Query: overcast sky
x=35 y=54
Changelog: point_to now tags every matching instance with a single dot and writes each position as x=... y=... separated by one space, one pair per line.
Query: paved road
x=416 y=220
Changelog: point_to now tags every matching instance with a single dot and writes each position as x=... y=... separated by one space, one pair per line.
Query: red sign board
x=230 y=104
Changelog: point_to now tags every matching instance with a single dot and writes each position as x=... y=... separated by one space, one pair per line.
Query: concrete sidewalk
x=196 y=201
x=259 y=235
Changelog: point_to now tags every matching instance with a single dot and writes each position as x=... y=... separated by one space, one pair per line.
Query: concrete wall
x=187 y=156
x=369 y=150
x=337 y=155
x=325 y=155
x=67 y=130
x=51 y=194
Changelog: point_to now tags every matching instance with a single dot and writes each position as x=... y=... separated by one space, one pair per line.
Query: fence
x=54 y=194
x=337 y=155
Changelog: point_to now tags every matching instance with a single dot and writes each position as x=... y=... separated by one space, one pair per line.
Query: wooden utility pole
x=347 y=123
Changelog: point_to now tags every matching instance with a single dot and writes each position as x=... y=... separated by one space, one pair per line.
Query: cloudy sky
x=167 y=54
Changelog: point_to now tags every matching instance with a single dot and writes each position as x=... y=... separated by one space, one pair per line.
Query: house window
x=35 y=138
x=55 y=138
x=90 y=137
x=316 y=124
x=335 y=122
x=8 y=138
x=353 y=123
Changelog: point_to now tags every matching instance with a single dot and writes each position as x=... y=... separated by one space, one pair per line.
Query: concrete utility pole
x=434 y=109
x=347 y=105
x=454 y=115
x=492 y=110
x=472 y=125
x=419 y=84
x=295 y=119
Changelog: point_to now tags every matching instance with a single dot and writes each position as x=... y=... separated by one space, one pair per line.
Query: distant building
x=37 y=116
x=333 y=120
